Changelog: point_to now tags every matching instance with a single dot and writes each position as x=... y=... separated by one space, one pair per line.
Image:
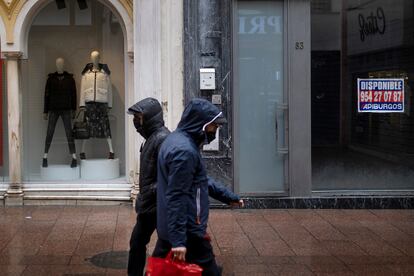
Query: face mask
x=209 y=136
x=139 y=127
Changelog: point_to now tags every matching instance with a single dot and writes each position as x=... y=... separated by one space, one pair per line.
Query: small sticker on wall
x=381 y=95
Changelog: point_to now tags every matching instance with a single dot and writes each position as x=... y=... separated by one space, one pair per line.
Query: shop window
x=362 y=138
x=91 y=36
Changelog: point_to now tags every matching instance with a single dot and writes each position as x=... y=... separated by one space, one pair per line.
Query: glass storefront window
x=259 y=96
x=72 y=34
x=353 y=149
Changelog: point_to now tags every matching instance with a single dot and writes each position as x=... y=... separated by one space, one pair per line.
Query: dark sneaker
x=44 y=163
x=111 y=155
x=74 y=163
x=82 y=156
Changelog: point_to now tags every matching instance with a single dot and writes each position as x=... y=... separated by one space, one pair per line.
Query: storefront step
x=88 y=192
x=75 y=186
x=71 y=189
x=76 y=200
x=116 y=198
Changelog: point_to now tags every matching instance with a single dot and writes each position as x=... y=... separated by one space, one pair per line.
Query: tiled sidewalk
x=60 y=240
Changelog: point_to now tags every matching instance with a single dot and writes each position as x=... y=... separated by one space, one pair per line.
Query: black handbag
x=80 y=129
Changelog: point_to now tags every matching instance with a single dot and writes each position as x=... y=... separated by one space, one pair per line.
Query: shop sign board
x=381 y=95
x=376 y=25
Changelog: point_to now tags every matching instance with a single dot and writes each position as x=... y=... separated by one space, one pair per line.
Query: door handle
x=281 y=109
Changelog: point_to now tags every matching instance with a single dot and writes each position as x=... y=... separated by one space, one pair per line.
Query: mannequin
x=96 y=100
x=60 y=101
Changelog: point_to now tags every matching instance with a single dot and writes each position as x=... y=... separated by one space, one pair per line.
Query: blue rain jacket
x=183 y=185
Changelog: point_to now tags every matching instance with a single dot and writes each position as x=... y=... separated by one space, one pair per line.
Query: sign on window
x=381 y=95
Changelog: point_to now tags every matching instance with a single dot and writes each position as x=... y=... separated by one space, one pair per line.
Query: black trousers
x=199 y=251
x=141 y=235
x=67 y=123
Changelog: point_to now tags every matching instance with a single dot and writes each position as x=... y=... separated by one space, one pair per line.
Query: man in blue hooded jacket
x=184 y=188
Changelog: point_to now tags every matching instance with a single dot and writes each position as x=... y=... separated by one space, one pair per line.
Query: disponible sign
x=381 y=95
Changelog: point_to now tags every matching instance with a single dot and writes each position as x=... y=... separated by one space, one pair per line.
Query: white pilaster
x=172 y=65
x=158 y=58
x=158 y=48
x=147 y=48
x=130 y=132
x=14 y=195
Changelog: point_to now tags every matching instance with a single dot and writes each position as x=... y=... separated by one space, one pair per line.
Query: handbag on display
x=80 y=129
x=163 y=267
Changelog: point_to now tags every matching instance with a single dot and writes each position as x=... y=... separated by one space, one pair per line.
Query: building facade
x=288 y=74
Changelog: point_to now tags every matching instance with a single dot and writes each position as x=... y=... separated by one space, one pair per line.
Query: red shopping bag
x=168 y=267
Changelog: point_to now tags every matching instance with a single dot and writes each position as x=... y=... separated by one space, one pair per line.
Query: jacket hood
x=152 y=113
x=101 y=66
x=196 y=115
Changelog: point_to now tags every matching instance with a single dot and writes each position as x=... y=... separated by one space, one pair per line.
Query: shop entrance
x=259 y=98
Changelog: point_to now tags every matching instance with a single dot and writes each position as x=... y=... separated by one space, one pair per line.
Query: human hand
x=239 y=203
x=45 y=116
x=178 y=253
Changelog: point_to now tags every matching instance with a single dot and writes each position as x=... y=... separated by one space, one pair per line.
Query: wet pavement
x=84 y=240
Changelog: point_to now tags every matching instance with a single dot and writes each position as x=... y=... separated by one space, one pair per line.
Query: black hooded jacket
x=60 y=92
x=155 y=133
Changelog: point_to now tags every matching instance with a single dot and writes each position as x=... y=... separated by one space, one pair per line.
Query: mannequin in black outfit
x=60 y=101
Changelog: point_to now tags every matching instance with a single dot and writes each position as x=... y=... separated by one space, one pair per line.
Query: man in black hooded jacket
x=149 y=123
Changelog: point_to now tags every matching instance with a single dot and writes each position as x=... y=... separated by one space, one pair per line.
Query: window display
x=72 y=60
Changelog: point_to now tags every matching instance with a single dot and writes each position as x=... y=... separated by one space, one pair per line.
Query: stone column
x=14 y=194
x=132 y=143
x=158 y=52
x=172 y=61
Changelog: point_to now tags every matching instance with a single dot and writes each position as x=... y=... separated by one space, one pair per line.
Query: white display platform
x=59 y=172
x=99 y=169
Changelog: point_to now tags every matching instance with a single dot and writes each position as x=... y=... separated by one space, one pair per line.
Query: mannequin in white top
x=96 y=100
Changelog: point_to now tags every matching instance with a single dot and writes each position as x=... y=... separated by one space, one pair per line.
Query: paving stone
x=62 y=240
x=12 y=270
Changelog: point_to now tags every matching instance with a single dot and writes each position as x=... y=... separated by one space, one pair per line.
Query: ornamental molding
x=9 y=6
x=12 y=55
x=9 y=10
x=128 y=5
